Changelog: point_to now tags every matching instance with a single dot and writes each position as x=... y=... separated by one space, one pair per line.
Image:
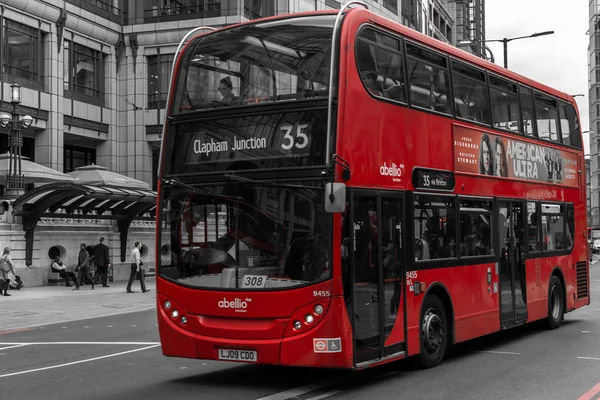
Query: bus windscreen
x=243 y=236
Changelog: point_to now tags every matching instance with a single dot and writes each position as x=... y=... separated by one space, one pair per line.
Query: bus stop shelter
x=75 y=200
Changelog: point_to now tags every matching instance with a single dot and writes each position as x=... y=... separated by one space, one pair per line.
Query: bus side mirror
x=335 y=197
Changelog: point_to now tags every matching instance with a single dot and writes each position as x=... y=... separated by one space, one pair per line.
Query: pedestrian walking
x=6 y=266
x=83 y=266
x=102 y=260
x=136 y=269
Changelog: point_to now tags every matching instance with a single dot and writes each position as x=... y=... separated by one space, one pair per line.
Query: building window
x=75 y=157
x=391 y=5
x=159 y=73
x=83 y=73
x=307 y=5
x=165 y=10
x=103 y=8
x=411 y=14
x=254 y=9
x=23 y=53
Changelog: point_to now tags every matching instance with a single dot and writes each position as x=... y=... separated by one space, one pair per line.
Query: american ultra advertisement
x=482 y=153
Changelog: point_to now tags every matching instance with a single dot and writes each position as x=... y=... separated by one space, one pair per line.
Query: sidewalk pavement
x=45 y=305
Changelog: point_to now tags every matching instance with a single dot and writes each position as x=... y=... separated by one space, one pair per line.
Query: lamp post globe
x=15 y=93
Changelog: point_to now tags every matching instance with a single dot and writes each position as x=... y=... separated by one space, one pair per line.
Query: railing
x=102 y=8
x=180 y=12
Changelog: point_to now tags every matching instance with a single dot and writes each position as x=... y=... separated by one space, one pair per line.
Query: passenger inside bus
x=226 y=90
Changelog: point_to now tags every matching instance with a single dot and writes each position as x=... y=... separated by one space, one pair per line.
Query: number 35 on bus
x=338 y=190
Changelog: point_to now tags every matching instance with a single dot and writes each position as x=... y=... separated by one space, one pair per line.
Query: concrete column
x=106 y=151
x=49 y=142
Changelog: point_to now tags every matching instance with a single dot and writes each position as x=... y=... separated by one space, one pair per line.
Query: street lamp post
x=505 y=41
x=14 y=180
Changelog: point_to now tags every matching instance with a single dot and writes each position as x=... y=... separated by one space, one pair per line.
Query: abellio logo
x=395 y=171
x=236 y=304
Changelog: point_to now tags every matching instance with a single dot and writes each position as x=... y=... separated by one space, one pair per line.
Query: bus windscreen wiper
x=176 y=182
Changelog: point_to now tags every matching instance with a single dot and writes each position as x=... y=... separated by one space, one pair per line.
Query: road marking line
x=12 y=347
x=14 y=331
x=589 y=358
x=590 y=393
x=502 y=352
x=299 y=391
x=325 y=395
x=77 y=362
x=86 y=343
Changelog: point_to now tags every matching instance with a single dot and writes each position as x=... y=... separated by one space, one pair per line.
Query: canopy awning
x=33 y=172
x=63 y=199
x=100 y=176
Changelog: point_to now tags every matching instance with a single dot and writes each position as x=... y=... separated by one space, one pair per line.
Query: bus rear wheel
x=433 y=332
x=556 y=310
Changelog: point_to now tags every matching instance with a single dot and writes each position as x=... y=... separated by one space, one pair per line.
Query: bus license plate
x=238 y=355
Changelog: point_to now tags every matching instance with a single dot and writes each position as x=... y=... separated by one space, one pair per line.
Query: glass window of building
x=159 y=73
x=254 y=9
x=75 y=157
x=391 y=5
x=23 y=52
x=83 y=73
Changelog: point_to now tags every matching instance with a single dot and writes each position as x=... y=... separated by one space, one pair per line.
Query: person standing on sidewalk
x=6 y=266
x=101 y=258
x=136 y=269
x=83 y=266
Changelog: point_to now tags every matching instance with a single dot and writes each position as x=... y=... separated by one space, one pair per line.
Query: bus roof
x=466 y=56
x=424 y=39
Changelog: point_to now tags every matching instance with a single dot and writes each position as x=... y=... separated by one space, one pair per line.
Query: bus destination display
x=431 y=179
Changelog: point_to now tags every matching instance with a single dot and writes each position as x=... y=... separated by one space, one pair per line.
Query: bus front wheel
x=433 y=332
x=556 y=308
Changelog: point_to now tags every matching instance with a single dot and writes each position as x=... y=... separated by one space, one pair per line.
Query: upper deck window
x=546 y=114
x=526 y=95
x=263 y=63
x=379 y=62
x=505 y=104
x=470 y=93
x=569 y=125
x=428 y=79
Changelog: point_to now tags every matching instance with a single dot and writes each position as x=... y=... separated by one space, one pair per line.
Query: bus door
x=511 y=235
x=377 y=271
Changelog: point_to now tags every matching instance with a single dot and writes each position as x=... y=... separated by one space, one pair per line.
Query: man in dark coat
x=101 y=259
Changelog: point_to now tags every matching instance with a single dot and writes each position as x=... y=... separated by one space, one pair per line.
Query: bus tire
x=433 y=332
x=556 y=309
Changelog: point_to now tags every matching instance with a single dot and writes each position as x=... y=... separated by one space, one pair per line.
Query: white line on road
x=86 y=343
x=77 y=362
x=300 y=391
x=12 y=347
x=502 y=352
x=589 y=358
x=325 y=395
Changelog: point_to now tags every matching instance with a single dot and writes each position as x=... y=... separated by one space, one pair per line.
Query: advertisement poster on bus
x=483 y=153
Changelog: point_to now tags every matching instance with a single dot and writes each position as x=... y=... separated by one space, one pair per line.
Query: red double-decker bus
x=337 y=190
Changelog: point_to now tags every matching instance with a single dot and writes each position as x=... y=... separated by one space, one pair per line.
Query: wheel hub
x=432 y=331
